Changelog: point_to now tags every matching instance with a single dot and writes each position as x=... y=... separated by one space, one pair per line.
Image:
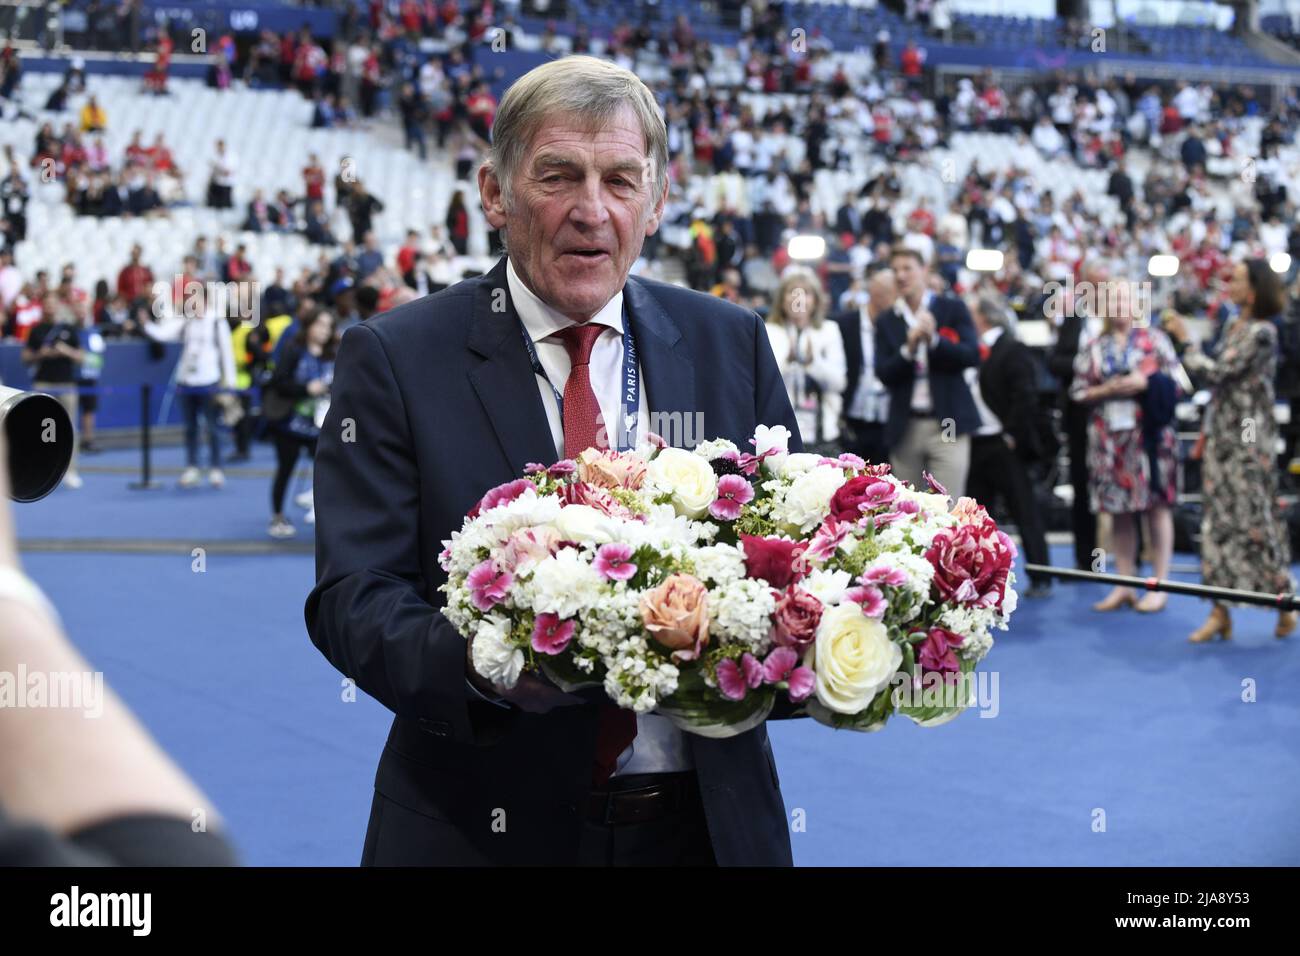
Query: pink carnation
x=613 y=561
x=781 y=666
x=971 y=564
x=551 y=635
x=734 y=492
x=735 y=680
x=488 y=586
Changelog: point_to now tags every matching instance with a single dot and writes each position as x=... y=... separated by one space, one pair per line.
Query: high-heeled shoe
x=1115 y=599
x=1286 y=622
x=1218 y=624
x=1152 y=603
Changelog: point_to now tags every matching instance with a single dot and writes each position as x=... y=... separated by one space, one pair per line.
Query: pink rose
x=773 y=559
x=528 y=546
x=865 y=492
x=611 y=469
x=676 y=614
x=581 y=493
x=795 y=619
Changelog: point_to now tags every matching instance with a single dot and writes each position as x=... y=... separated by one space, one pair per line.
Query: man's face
x=582 y=206
x=908 y=275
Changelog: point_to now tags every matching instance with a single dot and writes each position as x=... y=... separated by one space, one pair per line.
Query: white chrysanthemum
x=564 y=584
x=493 y=655
x=663 y=530
x=719 y=563
x=791 y=466
x=827 y=586
x=740 y=613
x=714 y=448
x=528 y=510
x=807 y=501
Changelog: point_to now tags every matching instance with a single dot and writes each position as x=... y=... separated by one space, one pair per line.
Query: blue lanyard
x=629 y=387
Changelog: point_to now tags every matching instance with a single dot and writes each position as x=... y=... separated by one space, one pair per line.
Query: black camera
x=39 y=434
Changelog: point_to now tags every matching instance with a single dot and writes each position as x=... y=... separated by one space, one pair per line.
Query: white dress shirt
x=921 y=400
x=989 y=423
x=870 y=403
x=659 y=746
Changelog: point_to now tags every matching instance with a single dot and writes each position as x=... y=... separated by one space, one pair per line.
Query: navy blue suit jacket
x=948 y=390
x=442 y=405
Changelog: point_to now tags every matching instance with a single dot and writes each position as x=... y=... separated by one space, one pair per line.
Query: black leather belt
x=639 y=798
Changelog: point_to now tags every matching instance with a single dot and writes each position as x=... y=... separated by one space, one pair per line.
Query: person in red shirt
x=481 y=107
x=910 y=60
x=314 y=178
x=410 y=15
x=407 y=253
x=135 y=281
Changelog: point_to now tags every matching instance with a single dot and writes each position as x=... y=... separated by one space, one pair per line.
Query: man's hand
x=926 y=324
x=530 y=693
x=316 y=388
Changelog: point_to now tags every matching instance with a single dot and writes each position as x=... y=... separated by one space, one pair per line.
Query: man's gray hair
x=995 y=312
x=590 y=89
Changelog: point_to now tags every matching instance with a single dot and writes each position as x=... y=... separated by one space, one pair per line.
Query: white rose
x=494 y=657
x=853 y=658
x=807 y=501
x=585 y=523
x=777 y=437
x=689 y=479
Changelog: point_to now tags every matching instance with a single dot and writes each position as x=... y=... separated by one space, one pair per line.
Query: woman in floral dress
x=1243 y=539
x=1131 y=464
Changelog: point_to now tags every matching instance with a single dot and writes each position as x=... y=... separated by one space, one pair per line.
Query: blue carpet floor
x=1100 y=717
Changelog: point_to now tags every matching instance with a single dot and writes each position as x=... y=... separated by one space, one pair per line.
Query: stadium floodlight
x=1279 y=262
x=806 y=247
x=1163 y=266
x=984 y=260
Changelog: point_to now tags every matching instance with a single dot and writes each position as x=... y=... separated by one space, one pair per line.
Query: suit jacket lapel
x=666 y=363
x=504 y=380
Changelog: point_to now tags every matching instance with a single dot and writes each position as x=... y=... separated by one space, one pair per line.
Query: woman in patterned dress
x=1243 y=540
x=1130 y=472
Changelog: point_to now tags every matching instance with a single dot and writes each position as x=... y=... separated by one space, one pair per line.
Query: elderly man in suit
x=441 y=399
x=924 y=343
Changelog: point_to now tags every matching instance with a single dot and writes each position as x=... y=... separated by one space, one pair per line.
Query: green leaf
x=699 y=709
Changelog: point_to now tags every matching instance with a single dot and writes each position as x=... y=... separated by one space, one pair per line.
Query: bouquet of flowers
x=706 y=584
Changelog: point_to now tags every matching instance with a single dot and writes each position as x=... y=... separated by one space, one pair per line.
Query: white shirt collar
x=905 y=310
x=991 y=337
x=541 y=321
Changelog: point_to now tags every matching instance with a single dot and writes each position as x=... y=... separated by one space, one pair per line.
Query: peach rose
x=969 y=511
x=677 y=616
x=611 y=469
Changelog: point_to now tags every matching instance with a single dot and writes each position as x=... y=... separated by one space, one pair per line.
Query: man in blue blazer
x=924 y=344
x=443 y=398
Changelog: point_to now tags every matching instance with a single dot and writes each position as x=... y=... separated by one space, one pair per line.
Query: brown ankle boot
x=1218 y=624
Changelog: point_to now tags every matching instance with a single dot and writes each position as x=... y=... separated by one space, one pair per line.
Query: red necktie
x=582 y=419
x=616 y=728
